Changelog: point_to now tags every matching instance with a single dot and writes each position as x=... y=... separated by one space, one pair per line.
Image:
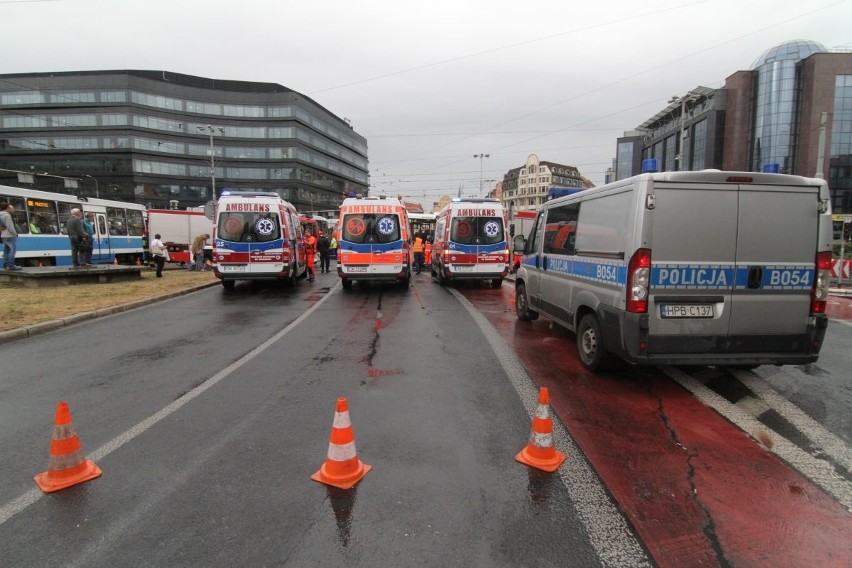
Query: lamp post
x=211 y=130
x=689 y=97
x=97 y=191
x=480 y=156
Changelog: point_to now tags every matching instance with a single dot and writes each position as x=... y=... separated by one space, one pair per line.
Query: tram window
x=135 y=223
x=19 y=216
x=117 y=221
x=64 y=214
x=43 y=217
x=102 y=225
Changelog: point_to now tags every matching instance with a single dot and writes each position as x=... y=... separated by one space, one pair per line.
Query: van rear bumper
x=283 y=275
x=790 y=349
x=375 y=276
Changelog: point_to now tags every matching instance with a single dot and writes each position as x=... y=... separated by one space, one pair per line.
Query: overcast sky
x=430 y=84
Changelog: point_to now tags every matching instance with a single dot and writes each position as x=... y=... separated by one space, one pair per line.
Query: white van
x=257 y=236
x=471 y=242
x=698 y=268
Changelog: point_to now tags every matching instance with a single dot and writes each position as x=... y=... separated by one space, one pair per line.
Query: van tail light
x=639 y=281
x=819 y=293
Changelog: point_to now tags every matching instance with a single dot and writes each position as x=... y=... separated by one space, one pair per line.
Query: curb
x=52 y=325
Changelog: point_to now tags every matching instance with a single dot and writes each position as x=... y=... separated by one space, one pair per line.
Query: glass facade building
x=151 y=137
x=776 y=103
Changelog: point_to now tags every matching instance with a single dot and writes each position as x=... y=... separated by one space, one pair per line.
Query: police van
x=257 y=236
x=471 y=242
x=374 y=241
x=699 y=268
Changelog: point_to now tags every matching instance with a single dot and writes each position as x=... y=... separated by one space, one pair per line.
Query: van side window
x=534 y=240
x=560 y=229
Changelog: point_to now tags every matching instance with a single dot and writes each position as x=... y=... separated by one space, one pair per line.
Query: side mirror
x=519 y=243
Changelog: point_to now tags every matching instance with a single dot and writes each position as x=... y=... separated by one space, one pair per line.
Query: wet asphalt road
x=207 y=447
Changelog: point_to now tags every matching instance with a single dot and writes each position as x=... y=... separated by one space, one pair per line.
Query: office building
x=152 y=137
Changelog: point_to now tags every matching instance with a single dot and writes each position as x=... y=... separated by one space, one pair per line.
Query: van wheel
x=522 y=306
x=590 y=343
x=229 y=284
x=294 y=276
x=496 y=282
x=347 y=284
x=441 y=278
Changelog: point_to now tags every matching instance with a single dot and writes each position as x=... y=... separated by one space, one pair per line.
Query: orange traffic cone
x=342 y=468
x=115 y=261
x=540 y=452
x=138 y=261
x=40 y=264
x=67 y=465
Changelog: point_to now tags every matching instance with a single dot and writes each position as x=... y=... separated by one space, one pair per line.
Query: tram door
x=101 y=251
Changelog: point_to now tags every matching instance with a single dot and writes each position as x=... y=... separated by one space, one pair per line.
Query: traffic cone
x=342 y=468
x=115 y=261
x=67 y=465
x=138 y=261
x=40 y=264
x=540 y=452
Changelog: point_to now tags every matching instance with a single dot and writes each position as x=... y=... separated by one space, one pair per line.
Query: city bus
x=40 y=218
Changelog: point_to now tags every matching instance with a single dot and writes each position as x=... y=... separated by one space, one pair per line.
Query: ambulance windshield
x=248 y=227
x=367 y=228
x=477 y=230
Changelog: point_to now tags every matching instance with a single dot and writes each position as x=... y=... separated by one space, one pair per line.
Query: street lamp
x=97 y=191
x=211 y=130
x=689 y=97
x=481 y=156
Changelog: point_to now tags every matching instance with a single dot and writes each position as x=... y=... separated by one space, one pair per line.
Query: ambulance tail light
x=819 y=294
x=638 y=281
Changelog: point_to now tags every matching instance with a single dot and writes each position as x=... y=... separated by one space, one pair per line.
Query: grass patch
x=28 y=306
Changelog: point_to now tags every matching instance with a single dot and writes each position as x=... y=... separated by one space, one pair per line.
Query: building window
x=699 y=145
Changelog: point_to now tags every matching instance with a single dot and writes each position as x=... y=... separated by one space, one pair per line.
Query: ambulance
x=471 y=242
x=257 y=236
x=374 y=241
x=684 y=268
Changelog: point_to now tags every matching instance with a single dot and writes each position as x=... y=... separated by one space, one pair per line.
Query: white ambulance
x=693 y=268
x=374 y=241
x=257 y=236
x=471 y=242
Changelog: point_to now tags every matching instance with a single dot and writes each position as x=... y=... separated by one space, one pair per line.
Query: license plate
x=463 y=268
x=356 y=269
x=233 y=267
x=686 y=310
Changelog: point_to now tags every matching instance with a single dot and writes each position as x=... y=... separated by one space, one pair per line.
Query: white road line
x=609 y=533
x=818 y=471
x=30 y=497
x=830 y=443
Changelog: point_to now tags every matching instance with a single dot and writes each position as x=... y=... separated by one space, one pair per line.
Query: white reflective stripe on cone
x=541 y=440
x=542 y=412
x=341 y=452
x=341 y=420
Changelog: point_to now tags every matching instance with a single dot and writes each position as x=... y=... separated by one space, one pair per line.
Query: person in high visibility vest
x=417 y=248
x=428 y=254
x=310 y=253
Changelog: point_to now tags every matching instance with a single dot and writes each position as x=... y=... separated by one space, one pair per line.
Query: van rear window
x=477 y=230
x=365 y=228
x=248 y=227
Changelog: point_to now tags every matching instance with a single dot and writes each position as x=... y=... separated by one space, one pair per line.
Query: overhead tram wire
x=633 y=76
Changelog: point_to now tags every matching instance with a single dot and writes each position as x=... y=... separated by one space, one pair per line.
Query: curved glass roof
x=795 y=50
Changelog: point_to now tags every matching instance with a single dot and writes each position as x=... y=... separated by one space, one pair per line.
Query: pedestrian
x=417 y=248
x=9 y=234
x=160 y=253
x=428 y=252
x=324 y=248
x=89 y=228
x=310 y=253
x=77 y=236
x=333 y=247
x=197 y=250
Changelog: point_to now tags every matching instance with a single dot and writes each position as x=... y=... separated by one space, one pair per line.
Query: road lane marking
x=609 y=533
x=818 y=471
x=32 y=496
x=813 y=430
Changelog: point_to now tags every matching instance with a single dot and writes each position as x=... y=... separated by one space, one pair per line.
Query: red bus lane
x=698 y=491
